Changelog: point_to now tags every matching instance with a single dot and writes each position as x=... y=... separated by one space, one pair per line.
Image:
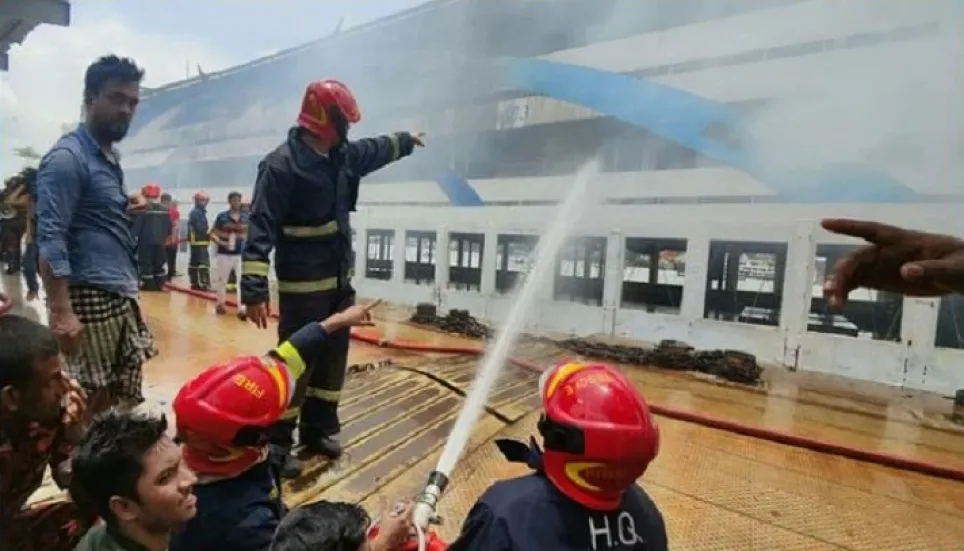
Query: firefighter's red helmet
x=327 y=109
x=151 y=191
x=598 y=433
x=223 y=414
x=201 y=196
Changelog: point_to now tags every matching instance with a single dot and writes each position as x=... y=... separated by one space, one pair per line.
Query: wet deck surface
x=717 y=491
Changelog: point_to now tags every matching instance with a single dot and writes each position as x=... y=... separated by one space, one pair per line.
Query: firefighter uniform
x=599 y=438
x=198 y=229
x=223 y=416
x=301 y=206
x=530 y=514
x=152 y=228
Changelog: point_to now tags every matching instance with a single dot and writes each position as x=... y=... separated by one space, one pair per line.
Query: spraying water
x=547 y=250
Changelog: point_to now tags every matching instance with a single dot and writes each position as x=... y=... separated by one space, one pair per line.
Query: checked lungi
x=115 y=344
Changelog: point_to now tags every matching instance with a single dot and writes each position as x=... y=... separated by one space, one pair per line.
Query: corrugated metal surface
x=397 y=417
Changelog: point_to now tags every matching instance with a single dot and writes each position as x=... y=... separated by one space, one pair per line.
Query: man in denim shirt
x=87 y=249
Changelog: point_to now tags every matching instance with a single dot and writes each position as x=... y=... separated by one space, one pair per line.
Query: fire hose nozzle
x=427 y=502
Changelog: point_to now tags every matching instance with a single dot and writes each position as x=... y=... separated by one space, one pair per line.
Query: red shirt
x=175 y=214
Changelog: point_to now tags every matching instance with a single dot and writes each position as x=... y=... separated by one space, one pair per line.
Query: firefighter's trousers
x=151 y=259
x=314 y=408
x=199 y=267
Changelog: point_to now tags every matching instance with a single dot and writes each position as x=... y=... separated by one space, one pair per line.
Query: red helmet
x=151 y=191
x=327 y=109
x=223 y=414
x=201 y=196
x=598 y=433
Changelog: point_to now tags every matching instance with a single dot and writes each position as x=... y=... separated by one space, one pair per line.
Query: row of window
x=744 y=282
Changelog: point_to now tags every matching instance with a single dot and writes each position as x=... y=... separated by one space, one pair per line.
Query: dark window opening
x=654 y=274
x=744 y=282
x=381 y=252
x=581 y=271
x=420 y=257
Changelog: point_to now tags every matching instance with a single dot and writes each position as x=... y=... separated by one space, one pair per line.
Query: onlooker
x=13 y=222
x=902 y=261
x=36 y=431
x=328 y=526
x=130 y=472
x=88 y=254
x=30 y=254
x=229 y=231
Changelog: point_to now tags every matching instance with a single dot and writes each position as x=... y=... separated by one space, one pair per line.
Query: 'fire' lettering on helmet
x=590 y=380
x=613 y=531
x=250 y=385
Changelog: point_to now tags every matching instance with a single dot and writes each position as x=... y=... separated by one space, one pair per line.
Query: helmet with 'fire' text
x=223 y=414
x=327 y=110
x=598 y=433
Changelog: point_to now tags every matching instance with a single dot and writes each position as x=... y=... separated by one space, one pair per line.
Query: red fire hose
x=6 y=304
x=878 y=458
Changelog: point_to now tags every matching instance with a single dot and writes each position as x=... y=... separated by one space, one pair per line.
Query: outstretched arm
x=370 y=154
x=308 y=343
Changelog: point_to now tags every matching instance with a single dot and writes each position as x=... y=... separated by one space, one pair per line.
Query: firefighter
x=223 y=416
x=304 y=193
x=198 y=230
x=152 y=229
x=599 y=438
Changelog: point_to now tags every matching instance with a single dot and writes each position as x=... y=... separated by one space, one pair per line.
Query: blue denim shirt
x=83 y=229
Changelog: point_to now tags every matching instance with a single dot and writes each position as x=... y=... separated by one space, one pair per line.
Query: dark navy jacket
x=243 y=512
x=152 y=227
x=198 y=227
x=530 y=514
x=236 y=514
x=83 y=228
x=301 y=206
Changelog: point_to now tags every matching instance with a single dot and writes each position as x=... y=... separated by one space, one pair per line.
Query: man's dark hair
x=23 y=342
x=322 y=526
x=29 y=174
x=234 y=195
x=107 y=68
x=166 y=197
x=108 y=461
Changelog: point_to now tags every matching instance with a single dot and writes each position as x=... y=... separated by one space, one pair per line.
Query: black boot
x=192 y=273
x=204 y=275
x=325 y=446
x=291 y=467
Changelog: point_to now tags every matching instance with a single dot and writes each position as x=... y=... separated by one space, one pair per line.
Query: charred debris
x=731 y=365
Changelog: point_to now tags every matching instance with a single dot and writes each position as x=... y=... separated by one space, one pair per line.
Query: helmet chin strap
x=341 y=126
